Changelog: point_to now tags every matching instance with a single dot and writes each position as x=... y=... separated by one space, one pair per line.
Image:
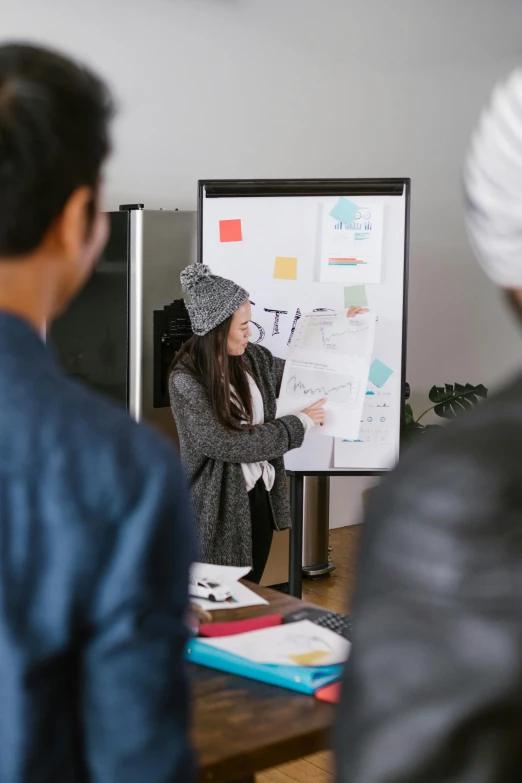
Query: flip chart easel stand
x=295 y=569
x=250 y=203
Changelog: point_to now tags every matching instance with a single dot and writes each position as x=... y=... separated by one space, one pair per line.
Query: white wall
x=320 y=88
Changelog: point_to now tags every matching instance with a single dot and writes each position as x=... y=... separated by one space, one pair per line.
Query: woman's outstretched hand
x=356 y=311
x=316 y=411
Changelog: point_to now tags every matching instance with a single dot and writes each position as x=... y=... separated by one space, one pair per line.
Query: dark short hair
x=54 y=137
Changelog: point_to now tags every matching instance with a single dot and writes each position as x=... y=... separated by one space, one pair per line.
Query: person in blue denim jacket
x=96 y=534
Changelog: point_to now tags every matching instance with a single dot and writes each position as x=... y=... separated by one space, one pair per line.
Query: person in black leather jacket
x=433 y=686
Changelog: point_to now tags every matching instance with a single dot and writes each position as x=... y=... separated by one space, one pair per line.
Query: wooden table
x=241 y=726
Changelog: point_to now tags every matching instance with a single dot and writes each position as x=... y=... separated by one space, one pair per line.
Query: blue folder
x=305 y=679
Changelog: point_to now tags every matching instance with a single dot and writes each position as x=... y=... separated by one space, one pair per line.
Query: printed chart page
x=376 y=444
x=352 y=243
x=329 y=357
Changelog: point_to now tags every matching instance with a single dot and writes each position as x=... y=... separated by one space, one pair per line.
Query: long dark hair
x=206 y=358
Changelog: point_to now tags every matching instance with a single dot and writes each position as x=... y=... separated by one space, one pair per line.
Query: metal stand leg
x=296 y=536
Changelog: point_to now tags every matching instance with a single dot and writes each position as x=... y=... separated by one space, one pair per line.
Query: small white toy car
x=206 y=588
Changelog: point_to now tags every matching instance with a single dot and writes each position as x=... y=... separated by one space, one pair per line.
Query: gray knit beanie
x=210 y=299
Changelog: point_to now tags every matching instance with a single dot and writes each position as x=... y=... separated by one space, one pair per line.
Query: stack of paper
x=300 y=656
x=293 y=644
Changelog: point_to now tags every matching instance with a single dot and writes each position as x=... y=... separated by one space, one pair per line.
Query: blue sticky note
x=344 y=211
x=379 y=373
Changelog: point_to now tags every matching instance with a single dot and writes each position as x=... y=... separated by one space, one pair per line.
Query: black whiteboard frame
x=256 y=188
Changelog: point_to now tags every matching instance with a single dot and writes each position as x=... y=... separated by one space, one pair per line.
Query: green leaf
x=452 y=399
x=408 y=415
x=412 y=432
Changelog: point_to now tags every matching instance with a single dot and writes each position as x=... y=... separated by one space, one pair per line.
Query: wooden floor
x=334 y=593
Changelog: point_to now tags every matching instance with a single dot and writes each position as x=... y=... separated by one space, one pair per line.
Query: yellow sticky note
x=285 y=268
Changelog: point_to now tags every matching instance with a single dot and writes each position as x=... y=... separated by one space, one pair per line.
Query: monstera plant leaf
x=452 y=399
x=409 y=418
x=410 y=428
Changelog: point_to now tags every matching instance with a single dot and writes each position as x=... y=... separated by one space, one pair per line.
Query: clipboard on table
x=304 y=679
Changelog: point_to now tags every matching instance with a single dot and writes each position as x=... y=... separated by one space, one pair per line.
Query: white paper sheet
x=352 y=253
x=376 y=445
x=292 y=644
x=217 y=573
x=276 y=313
x=329 y=357
x=229 y=576
x=241 y=596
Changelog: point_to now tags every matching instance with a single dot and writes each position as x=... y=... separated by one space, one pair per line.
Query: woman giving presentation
x=223 y=392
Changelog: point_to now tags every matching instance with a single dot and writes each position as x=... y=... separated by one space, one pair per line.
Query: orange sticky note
x=285 y=268
x=230 y=231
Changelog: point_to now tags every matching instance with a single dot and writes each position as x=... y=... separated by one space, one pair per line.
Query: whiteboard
x=268 y=236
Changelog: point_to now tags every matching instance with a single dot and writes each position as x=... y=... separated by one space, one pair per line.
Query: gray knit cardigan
x=213 y=455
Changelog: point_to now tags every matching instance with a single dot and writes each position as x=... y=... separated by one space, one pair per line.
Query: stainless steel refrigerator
x=120 y=334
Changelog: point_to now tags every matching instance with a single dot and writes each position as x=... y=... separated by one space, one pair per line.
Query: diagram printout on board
x=329 y=357
x=351 y=243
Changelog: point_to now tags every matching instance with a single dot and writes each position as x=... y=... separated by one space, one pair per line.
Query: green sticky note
x=355 y=296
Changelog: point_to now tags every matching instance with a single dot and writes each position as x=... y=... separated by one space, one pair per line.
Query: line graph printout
x=329 y=358
x=316 y=384
x=325 y=334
